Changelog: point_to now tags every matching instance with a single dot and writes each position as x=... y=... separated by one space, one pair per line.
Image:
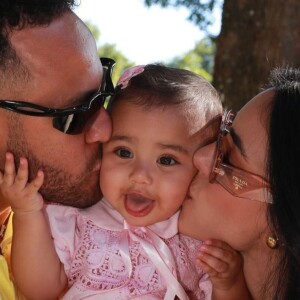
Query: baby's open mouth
x=138 y=205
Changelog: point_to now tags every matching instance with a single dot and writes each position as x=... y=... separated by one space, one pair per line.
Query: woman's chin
x=184 y=224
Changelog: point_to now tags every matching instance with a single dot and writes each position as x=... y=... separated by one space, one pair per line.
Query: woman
x=247 y=191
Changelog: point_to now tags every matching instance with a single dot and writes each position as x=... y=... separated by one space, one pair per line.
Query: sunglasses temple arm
x=107 y=84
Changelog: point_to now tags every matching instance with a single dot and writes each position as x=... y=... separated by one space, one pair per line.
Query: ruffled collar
x=106 y=217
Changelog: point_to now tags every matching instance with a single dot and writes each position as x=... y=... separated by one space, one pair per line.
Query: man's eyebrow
x=174 y=147
x=238 y=142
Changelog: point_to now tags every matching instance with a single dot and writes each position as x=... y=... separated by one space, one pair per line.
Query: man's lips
x=97 y=166
x=137 y=205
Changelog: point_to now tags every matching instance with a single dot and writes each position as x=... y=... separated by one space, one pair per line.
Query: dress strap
x=160 y=255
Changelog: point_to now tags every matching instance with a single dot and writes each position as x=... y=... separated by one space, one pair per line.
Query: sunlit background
x=236 y=57
x=132 y=33
x=143 y=34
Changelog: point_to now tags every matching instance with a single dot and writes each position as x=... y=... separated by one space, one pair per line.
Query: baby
x=127 y=246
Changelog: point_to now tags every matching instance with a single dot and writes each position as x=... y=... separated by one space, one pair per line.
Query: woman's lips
x=137 y=205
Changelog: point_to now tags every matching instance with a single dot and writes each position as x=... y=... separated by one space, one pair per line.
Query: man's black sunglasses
x=70 y=120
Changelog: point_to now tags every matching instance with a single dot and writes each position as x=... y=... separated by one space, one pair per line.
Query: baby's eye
x=167 y=160
x=124 y=153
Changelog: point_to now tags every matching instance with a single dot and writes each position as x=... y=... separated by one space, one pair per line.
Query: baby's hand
x=22 y=196
x=222 y=263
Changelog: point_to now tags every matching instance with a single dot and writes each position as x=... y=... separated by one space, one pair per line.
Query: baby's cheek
x=104 y=179
x=191 y=173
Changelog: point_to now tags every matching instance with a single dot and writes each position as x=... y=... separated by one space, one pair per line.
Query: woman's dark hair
x=283 y=168
x=19 y=14
x=159 y=85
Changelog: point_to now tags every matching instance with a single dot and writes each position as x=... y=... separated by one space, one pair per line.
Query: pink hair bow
x=128 y=74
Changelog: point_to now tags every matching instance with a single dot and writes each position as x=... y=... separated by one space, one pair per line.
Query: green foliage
x=200 y=11
x=110 y=50
x=199 y=60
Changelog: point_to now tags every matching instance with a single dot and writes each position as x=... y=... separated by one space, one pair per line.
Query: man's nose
x=100 y=128
x=204 y=159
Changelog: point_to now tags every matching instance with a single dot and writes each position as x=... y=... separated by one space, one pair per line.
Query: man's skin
x=64 y=70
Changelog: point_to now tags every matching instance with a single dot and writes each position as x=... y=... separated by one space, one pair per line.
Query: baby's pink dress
x=105 y=258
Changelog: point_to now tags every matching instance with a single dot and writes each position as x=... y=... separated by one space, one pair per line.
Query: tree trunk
x=255 y=37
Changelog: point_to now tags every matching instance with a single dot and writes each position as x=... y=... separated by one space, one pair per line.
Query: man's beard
x=59 y=186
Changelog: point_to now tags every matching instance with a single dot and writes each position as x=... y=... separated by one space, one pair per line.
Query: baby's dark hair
x=159 y=85
x=19 y=14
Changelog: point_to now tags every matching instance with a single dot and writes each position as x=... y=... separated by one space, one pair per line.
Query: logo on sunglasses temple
x=239 y=183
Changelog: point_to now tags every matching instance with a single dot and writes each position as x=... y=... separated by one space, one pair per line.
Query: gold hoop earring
x=272 y=241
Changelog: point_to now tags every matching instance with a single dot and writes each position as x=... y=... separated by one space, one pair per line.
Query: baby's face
x=147 y=165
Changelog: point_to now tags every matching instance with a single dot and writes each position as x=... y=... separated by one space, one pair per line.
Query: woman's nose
x=100 y=128
x=204 y=159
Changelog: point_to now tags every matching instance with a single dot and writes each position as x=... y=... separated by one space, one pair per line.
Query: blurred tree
x=256 y=35
x=110 y=50
x=199 y=60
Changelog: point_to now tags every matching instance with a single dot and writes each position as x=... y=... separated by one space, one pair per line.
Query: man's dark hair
x=19 y=14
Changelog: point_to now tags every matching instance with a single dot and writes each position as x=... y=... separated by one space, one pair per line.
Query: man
x=48 y=57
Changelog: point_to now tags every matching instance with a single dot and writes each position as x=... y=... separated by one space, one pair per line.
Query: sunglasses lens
x=77 y=122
